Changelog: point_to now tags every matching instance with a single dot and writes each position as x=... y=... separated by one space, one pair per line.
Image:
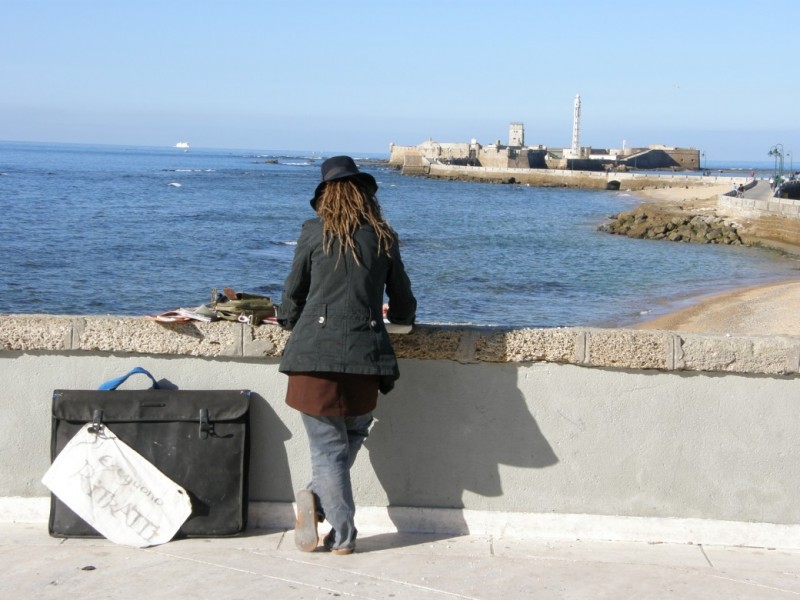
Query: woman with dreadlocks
x=339 y=356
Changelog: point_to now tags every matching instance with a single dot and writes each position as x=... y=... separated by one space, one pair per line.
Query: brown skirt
x=332 y=394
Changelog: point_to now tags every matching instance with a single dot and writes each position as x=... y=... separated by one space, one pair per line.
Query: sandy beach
x=772 y=309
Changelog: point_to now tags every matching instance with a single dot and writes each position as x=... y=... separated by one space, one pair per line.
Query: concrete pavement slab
x=265 y=564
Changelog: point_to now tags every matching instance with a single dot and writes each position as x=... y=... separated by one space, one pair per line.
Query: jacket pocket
x=328 y=341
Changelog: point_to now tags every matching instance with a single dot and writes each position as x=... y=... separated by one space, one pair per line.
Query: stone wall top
x=634 y=180
x=590 y=347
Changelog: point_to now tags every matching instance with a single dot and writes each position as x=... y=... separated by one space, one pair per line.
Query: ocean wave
x=311 y=158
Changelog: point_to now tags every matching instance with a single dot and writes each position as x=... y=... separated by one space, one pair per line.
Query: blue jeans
x=334 y=443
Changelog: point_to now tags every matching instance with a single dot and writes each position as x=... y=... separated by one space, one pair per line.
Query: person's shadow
x=444 y=431
x=268 y=437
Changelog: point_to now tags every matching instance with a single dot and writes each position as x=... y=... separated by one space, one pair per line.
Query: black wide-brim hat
x=343 y=167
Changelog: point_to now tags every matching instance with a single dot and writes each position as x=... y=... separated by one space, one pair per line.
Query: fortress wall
x=397 y=154
x=570 y=178
x=686 y=158
x=429 y=150
x=492 y=158
x=449 y=151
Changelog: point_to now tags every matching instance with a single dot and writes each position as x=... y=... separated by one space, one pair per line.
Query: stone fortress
x=518 y=155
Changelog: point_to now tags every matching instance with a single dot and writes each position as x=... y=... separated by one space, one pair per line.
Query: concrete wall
x=577 y=178
x=758 y=207
x=767 y=221
x=611 y=434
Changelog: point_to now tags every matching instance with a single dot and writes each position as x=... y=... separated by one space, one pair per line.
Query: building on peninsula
x=515 y=154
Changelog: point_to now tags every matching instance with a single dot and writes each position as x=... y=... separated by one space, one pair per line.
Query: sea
x=124 y=230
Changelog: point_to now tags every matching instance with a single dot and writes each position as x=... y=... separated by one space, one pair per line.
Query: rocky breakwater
x=655 y=223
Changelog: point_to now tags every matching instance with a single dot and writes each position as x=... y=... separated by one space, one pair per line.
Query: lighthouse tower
x=575 y=150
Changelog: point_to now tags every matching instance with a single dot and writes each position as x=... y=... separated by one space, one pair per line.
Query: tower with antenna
x=575 y=150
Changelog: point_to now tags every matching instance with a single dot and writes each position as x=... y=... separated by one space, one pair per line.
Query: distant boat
x=184 y=145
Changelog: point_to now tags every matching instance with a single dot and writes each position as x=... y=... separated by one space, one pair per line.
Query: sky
x=356 y=76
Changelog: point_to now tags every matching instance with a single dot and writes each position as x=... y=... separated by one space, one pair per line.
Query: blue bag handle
x=115 y=383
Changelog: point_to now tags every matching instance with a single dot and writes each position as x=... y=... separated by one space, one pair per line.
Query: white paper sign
x=116 y=490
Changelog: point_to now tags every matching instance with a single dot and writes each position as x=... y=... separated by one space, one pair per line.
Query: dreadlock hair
x=343 y=207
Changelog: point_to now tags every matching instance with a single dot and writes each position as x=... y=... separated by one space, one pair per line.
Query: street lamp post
x=777 y=152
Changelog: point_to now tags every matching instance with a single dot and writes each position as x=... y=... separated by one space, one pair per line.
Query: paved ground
x=761 y=191
x=265 y=564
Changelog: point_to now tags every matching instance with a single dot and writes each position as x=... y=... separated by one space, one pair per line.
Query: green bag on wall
x=242 y=306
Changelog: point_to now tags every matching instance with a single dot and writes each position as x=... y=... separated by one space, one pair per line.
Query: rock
x=648 y=222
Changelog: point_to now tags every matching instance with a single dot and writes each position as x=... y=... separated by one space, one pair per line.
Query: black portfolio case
x=199 y=439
